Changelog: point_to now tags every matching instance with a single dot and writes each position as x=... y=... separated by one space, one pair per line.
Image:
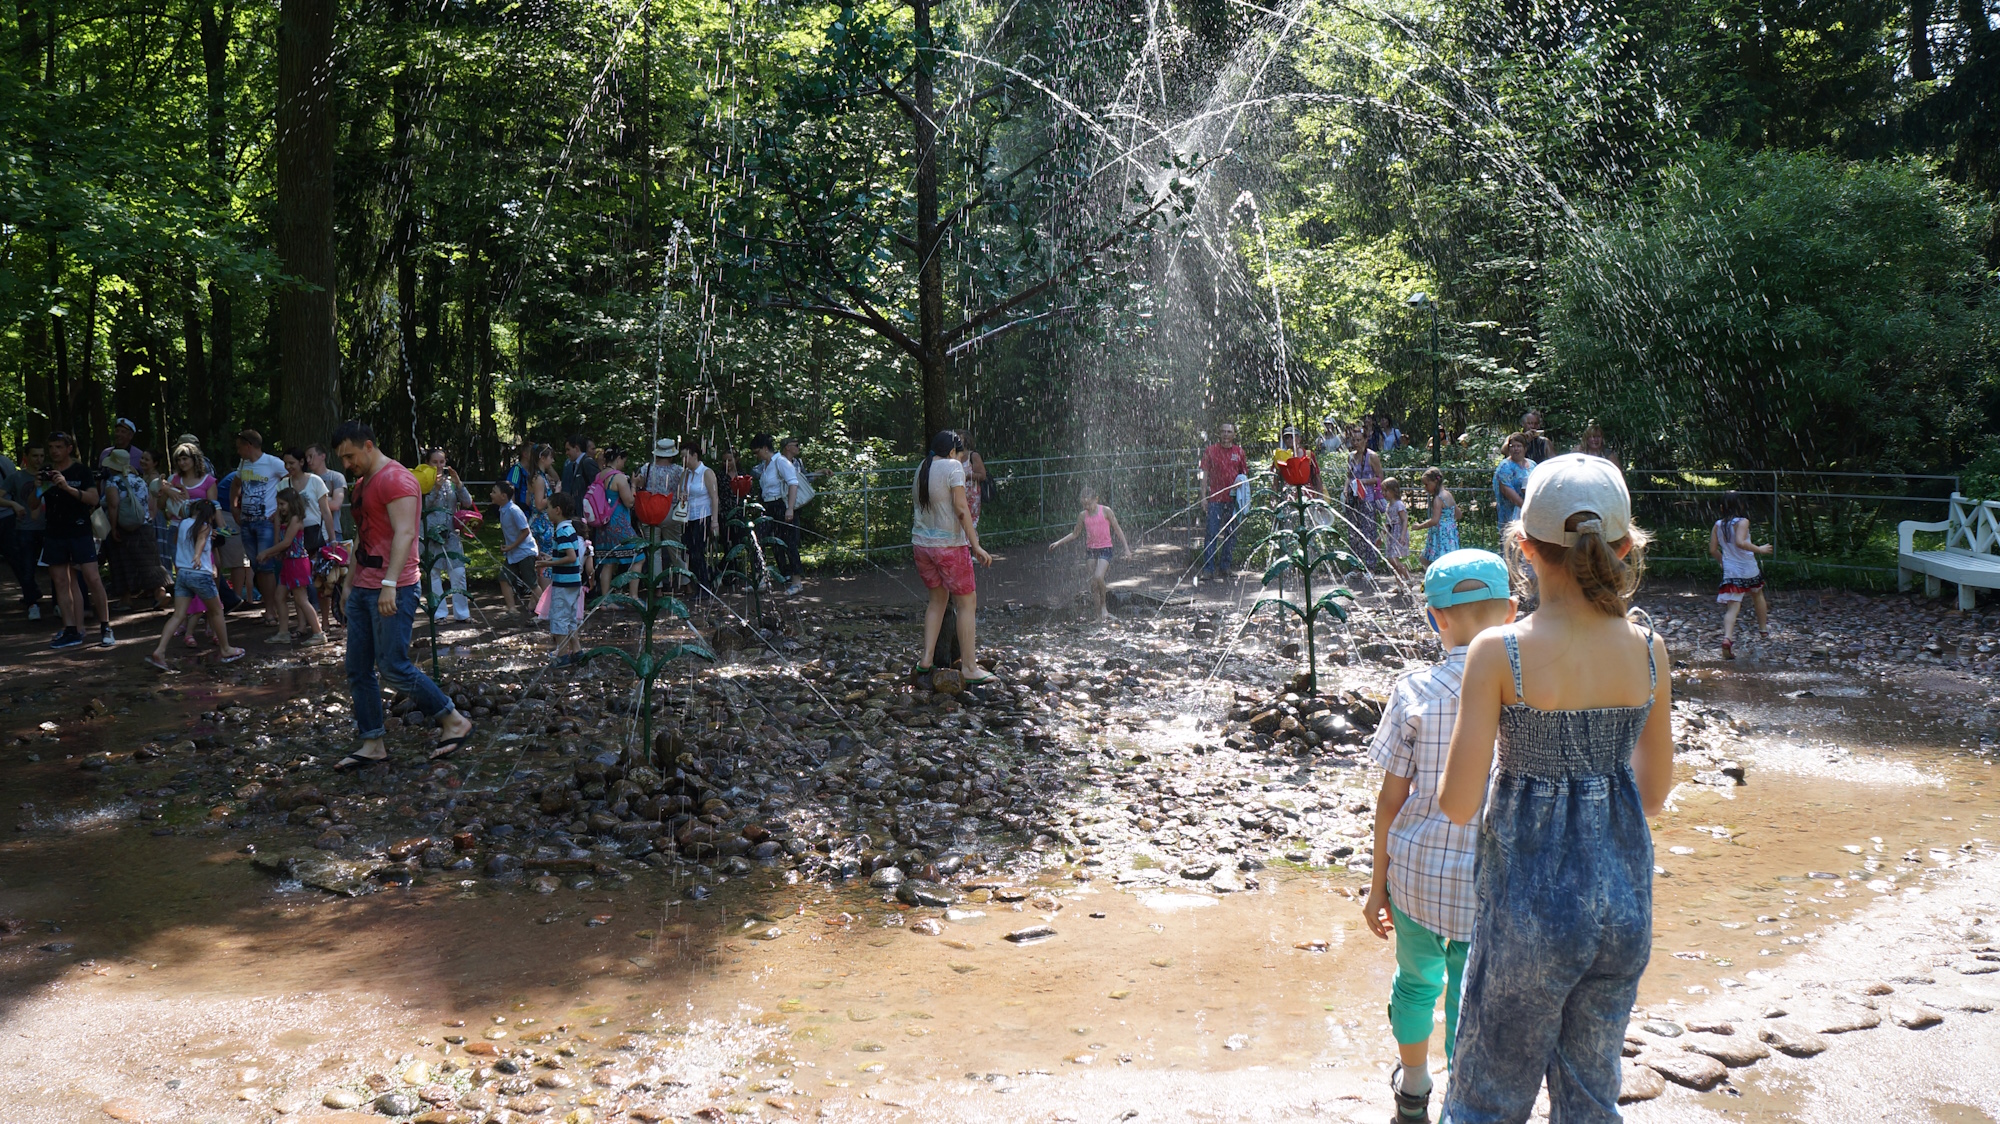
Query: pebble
x=342 y=1098
x=1032 y=934
x=1661 y=1028
x=887 y=878
x=130 y=1110
x=1640 y=1083
x=1791 y=1039
x=1696 y=1071
x=397 y=1104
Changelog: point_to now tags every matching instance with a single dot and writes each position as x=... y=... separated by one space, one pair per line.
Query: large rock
x=1792 y=1039
x=1640 y=1083
x=1734 y=1051
x=1847 y=1019
x=1696 y=1071
x=1914 y=1016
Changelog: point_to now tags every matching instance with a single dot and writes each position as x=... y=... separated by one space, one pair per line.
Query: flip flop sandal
x=989 y=677
x=157 y=663
x=239 y=654
x=449 y=746
x=353 y=761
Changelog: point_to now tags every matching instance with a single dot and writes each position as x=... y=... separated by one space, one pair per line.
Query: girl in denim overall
x=1576 y=698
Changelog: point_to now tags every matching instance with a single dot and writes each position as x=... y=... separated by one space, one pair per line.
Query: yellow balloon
x=427 y=477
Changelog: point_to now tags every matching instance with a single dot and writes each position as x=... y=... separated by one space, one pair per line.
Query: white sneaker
x=34 y=612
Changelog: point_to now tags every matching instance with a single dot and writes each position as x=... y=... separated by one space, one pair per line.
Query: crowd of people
x=274 y=535
x=1349 y=482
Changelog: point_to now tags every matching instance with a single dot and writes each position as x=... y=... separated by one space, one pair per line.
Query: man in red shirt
x=382 y=599
x=1221 y=464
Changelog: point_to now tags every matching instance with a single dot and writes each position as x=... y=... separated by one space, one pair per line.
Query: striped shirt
x=567 y=540
x=1430 y=857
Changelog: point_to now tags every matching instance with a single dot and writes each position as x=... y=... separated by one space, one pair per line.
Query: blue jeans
x=1563 y=932
x=1221 y=521
x=259 y=536
x=378 y=643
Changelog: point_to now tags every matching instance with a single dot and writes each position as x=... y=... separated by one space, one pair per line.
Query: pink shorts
x=947 y=566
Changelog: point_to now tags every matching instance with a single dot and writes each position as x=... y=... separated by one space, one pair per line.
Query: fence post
x=1775 y=516
x=864 y=513
x=1042 y=479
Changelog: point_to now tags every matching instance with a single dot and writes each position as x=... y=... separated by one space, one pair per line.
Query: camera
x=46 y=476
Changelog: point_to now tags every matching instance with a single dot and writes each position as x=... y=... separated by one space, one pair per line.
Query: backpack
x=132 y=513
x=597 y=505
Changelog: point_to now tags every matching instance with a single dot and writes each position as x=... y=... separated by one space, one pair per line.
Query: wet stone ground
x=747 y=889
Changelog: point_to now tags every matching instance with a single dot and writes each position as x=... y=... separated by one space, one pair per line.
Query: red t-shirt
x=1222 y=466
x=390 y=482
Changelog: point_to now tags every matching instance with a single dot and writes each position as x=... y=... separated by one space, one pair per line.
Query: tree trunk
x=935 y=366
x=208 y=405
x=308 y=355
x=1920 y=41
x=196 y=412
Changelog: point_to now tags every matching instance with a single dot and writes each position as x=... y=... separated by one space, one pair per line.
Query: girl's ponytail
x=944 y=444
x=1607 y=581
x=200 y=514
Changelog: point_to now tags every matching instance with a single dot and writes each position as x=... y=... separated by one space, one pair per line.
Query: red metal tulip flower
x=1296 y=470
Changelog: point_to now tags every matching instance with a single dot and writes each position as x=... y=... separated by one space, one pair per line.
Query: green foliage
x=1780 y=310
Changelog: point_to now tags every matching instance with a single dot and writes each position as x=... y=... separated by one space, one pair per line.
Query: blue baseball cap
x=1444 y=575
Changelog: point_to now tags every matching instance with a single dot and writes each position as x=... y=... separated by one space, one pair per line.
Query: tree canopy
x=1052 y=222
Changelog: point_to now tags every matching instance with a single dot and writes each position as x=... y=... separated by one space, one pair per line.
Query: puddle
x=180 y=946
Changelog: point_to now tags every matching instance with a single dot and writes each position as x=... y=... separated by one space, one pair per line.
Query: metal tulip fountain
x=1298 y=549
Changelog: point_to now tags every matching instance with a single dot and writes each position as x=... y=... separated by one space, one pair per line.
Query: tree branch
x=869 y=319
x=1009 y=326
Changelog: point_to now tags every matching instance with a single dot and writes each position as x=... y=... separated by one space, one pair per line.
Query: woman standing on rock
x=945 y=542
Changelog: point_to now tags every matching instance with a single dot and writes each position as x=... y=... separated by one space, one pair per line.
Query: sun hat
x=1443 y=576
x=666 y=447
x=119 y=460
x=1576 y=484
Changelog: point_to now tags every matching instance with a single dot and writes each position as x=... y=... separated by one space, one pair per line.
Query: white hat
x=1572 y=484
x=666 y=447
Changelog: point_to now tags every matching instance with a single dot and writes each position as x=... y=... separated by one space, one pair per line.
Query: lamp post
x=1420 y=302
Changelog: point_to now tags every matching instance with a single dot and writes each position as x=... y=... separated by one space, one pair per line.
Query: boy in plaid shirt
x=1423 y=885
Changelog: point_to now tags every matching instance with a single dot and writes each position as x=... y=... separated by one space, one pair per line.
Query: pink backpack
x=597 y=505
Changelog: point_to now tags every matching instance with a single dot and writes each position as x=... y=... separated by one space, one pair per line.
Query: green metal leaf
x=1277 y=570
x=624 y=599
x=1280 y=603
x=671 y=604
x=624 y=656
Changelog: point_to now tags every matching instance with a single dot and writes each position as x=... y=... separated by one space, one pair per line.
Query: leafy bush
x=1781 y=310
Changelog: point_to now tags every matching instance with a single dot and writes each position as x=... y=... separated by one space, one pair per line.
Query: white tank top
x=1736 y=561
x=698 y=506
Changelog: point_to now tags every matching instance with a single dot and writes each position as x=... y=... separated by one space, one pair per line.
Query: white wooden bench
x=1970 y=558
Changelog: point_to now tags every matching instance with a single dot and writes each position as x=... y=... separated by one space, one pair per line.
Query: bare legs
x=933 y=623
x=967 y=605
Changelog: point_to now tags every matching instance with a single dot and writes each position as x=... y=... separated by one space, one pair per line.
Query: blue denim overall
x=1564 y=924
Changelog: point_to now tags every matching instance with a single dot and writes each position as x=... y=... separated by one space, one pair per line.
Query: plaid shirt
x=1430 y=858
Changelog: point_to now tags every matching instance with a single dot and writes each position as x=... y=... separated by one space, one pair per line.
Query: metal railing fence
x=1818 y=520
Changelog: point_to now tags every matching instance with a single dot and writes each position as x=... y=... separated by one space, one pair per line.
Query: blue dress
x=1443 y=538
